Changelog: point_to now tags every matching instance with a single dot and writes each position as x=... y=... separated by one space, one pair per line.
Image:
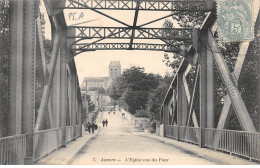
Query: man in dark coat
x=93 y=127
x=88 y=126
x=106 y=122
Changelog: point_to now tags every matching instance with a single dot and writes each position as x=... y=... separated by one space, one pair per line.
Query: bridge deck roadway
x=118 y=143
x=121 y=143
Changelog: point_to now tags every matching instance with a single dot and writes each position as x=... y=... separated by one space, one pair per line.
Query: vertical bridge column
x=80 y=107
x=29 y=57
x=73 y=81
x=63 y=85
x=73 y=97
x=56 y=93
x=16 y=70
x=182 y=103
x=206 y=86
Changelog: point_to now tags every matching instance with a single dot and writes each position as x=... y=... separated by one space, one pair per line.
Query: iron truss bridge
x=127 y=33
x=79 y=48
x=153 y=5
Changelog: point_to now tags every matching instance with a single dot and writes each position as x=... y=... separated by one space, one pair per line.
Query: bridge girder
x=148 y=5
x=178 y=34
x=124 y=46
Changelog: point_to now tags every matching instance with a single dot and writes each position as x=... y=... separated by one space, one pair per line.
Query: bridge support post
x=206 y=87
x=162 y=133
x=182 y=105
x=80 y=108
x=179 y=99
x=16 y=70
x=165 y=118
x=29 y=64
x=73 y=100
x=56 y=93
x=63 y=86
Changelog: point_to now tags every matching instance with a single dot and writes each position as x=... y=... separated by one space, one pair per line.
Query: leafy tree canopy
x=131 y=90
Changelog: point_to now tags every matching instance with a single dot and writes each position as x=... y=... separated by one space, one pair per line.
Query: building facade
x=114 y=69
x=103 y=82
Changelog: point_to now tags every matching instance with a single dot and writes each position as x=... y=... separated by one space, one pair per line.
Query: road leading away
x=119 y=144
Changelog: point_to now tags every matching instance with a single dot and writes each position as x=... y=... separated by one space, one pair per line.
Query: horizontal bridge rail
x=12 y=150
x=72 y=132
x=151 y=5
x=242 y=143
x=125 y=46
x=47 y=141
x=126 y=33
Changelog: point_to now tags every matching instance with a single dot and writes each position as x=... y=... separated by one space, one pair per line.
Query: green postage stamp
x=235 y=19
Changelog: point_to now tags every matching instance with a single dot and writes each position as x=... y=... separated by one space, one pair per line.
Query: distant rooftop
x=95 y=79
x=114 y=63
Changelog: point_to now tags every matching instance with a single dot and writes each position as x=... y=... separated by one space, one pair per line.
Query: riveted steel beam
x=236 y=99
x=149 y=5
x=48 y=81
x=126 y=33
x=16 y=69
x=29 y=63
x=242 y=60
x=134 y=23
x=63 y=85
x=124 y=46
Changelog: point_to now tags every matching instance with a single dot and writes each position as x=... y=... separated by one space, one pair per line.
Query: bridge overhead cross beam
x=178 y=34
x=147 y=5
x=124 y=46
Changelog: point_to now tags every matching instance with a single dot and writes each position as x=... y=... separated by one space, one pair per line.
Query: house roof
x=95 y=79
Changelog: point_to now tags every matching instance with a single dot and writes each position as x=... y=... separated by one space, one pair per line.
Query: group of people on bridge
x=91 y=127
x=105 y=122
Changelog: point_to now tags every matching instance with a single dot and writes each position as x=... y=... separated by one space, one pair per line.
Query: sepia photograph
x=129 y=82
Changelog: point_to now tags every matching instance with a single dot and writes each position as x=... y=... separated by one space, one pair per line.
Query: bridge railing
x=72 y=132
x=12 y=150
x=190 y=134
x=47 y=141
x=171 y=131
x=241 y=143
x=69 y=133
x=77 y=130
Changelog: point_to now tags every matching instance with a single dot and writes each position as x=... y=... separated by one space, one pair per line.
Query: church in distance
x=103 y=82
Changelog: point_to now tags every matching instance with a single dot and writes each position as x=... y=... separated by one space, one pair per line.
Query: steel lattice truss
x=124 y=46
x=126 y=33
x=162 y=5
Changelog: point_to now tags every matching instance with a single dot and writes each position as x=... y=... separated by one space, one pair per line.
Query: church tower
x=114 y=69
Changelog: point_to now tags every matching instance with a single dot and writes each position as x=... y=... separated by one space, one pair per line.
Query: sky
x=96 y=63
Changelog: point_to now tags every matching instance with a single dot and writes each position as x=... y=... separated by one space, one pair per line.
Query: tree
x=156 y=97
x=131 y=90
x=116 y=89
x=174 y=60
x=91 y=105
x=4 y=64
x=101 y=91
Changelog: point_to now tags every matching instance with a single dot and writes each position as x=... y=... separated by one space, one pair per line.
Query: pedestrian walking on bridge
x=92 y=127
x=88 y=127
x=106 y=122
x=103 y=122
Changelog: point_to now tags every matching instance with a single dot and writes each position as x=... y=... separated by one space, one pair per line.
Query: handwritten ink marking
x=75 y=16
